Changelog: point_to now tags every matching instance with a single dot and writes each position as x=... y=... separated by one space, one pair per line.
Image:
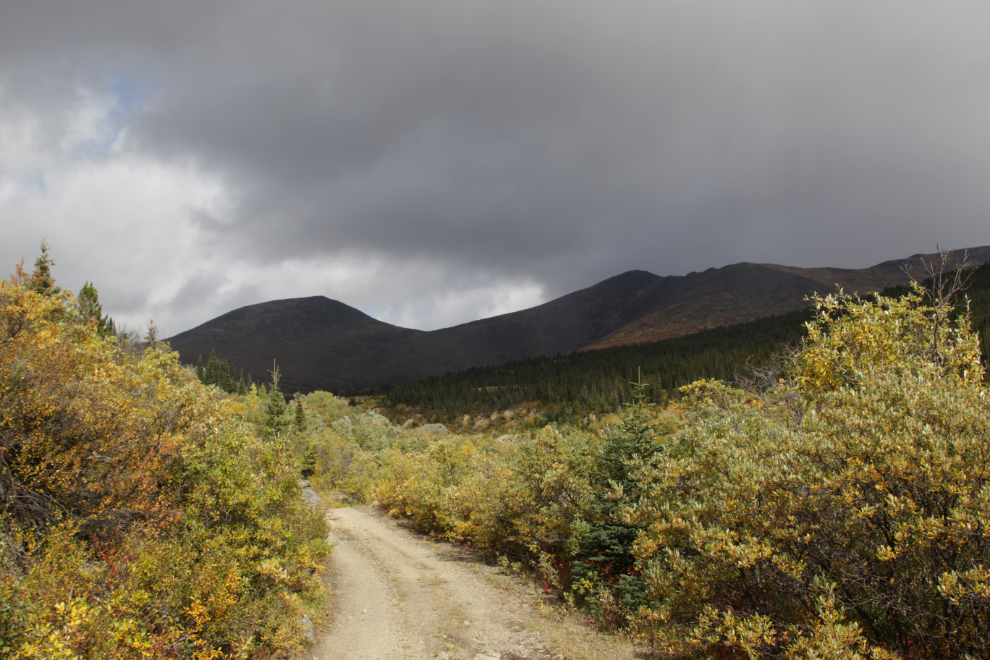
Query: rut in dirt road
x=397 y=595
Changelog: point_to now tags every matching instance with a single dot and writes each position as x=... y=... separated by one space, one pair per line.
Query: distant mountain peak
x=322 y=343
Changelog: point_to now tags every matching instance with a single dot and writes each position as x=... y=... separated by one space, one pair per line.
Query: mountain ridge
x=321 y=343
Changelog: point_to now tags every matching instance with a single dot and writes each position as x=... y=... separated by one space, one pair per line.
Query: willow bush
x=140 y=516
x=843 y=506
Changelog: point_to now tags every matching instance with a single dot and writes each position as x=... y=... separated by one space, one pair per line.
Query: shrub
x=139 y=516
x=849 y=501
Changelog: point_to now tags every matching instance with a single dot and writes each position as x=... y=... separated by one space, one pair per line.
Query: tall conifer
x=41 y=279
x=276 y=419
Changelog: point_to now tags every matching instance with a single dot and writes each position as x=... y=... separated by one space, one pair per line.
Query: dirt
x=397 y=594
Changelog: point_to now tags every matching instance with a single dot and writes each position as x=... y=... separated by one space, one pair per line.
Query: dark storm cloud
x=561 y=142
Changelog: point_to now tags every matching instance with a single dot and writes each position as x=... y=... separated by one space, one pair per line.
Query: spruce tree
x=212 y=369
x=607 y=542
x=276 y=419
x=300 y=420
x=200 y=371
x=90 y=309
x=41 y=279
x=151 y=334
x=224 y=380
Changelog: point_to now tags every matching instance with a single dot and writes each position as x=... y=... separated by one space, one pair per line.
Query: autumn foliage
x=836 y=505
x=140 y=517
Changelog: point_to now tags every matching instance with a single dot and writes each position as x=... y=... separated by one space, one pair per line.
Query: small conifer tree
x=151 y=335
x=607 y=542
x=300 y=419
x=276 y=419
x=90 y=309
x=211 y=376
x=41 y=279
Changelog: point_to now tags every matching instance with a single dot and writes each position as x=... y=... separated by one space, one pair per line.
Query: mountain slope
x=745 y=292
x=324 y=344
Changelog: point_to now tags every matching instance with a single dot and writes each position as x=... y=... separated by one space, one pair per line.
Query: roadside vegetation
x=141 y=514
x=834 y=502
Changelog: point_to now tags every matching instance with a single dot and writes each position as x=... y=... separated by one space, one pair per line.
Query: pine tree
x=212 y=376
x=276 y=419
x=607 y=543
x=90 y=309
x=300 y=420
x=151 y=335
x=41 y=280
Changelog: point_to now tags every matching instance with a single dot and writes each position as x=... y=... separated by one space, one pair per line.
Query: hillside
x=600 y=380
x=324 y=344
x=745 y=292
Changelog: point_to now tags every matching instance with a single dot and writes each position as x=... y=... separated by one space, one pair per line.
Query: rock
x=466 y=420
x=311 y=497
x=484 y=656
x=494 y=417
x=407 y=424
x=557 y=657
x=508 y=414
x=443 y=655
x=309 y=629
x=481 y=424
x=435 y=429
x=503 y=438
x=516 y=654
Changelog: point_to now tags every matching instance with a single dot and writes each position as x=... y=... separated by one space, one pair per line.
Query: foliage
x=601 y=380
x=139 y=517
x=276 y=412
x=848 y=501
x=607 y=579
x=217 y=372
x=834 y=504
x=521 y=498
x=90 y=310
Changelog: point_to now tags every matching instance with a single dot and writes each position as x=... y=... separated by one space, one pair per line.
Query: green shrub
x=858 y=480
x=139 y=515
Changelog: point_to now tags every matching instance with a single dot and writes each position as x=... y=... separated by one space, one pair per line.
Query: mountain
x=745 y=292
x=324 y=344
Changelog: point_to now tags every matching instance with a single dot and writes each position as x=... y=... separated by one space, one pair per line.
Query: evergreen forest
x=602 y=380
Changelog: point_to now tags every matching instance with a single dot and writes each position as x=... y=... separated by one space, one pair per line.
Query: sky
x=435 y=162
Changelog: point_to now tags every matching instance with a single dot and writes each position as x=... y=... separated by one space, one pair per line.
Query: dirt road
x=400 y=595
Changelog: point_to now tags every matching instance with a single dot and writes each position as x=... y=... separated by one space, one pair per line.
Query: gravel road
x=400 y=595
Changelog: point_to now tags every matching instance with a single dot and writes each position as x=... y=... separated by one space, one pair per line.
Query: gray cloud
x=512 y=146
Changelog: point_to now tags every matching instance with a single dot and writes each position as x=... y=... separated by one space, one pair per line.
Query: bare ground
x=398 y=594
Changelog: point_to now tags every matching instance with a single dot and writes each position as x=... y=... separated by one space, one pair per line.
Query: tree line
x=602 y=380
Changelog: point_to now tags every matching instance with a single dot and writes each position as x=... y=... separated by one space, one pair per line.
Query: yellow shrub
x=139 y=517
x=875 y=481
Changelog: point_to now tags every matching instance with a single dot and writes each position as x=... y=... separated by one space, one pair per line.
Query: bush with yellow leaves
x=139 y=516
x=844 y=505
